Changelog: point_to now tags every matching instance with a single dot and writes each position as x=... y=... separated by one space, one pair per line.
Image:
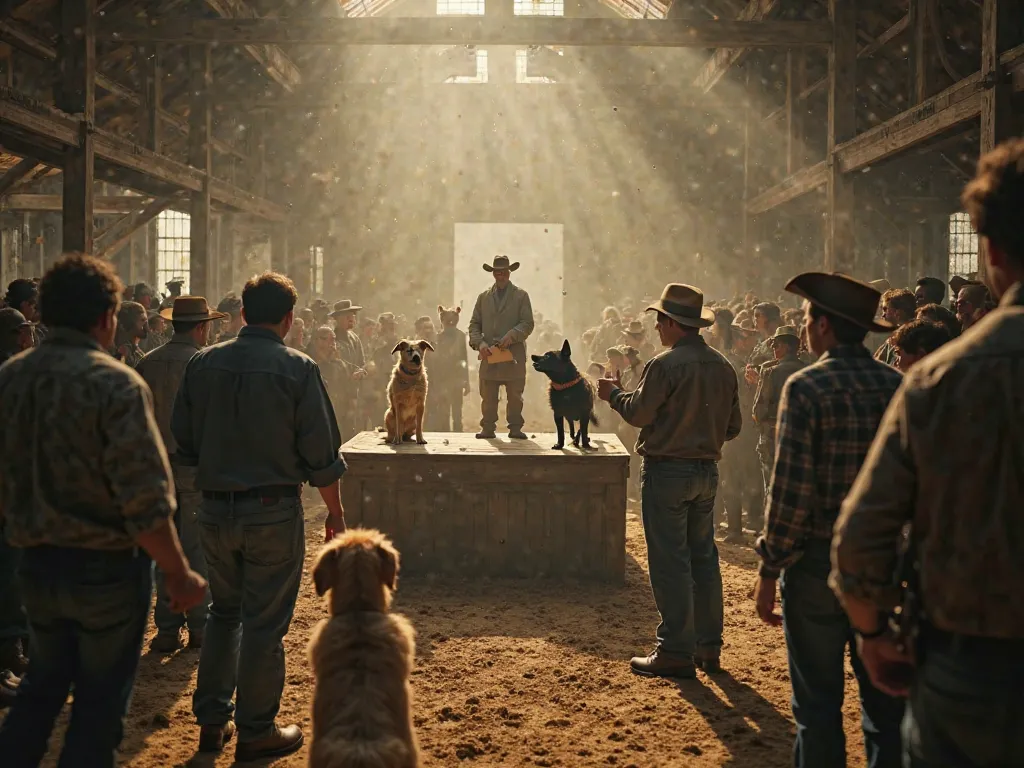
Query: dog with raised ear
x=362 y=658
x=407 y=393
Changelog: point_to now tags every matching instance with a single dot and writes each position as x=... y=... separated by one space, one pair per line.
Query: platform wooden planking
x=501 y=508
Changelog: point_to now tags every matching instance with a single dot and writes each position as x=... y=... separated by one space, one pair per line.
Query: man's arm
x=476 y=336
x=735 y=415
x=522 y=329
x=318 y=439
x=866 y=544
x=791 y=492
x=761 y=397
x=640 y=407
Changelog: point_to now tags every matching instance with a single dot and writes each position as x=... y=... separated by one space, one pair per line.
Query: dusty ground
x=533 y=674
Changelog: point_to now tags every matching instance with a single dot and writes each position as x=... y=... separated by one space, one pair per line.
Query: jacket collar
x=183 y=338
x=259 y=333
x=846 y=351
x=70 y=337
x=696 y=340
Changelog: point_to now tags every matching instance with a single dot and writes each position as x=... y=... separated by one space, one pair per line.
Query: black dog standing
x=570 y=394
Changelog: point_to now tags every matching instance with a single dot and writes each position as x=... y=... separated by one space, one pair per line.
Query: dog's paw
x=421 y=441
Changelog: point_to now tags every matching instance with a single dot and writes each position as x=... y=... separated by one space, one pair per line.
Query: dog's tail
x=379 y=753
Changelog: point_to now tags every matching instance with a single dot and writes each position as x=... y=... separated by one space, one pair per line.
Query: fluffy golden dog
x=361 y=657
x=407 y=393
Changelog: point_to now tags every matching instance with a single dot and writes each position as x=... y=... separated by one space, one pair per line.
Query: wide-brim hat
x=635 y=328
x=175 y=281
x=881 y=285
x=191 y=309
x=685 y=305
x=343 y=307
x=501 y=262
x=842 y=296
x=785 y=332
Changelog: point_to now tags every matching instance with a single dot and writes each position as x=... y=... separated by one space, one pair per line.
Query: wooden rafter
x=270 y=57
x=17 y=173
x=520 y=30
x=110 y=240
x=723 y=59
x=103 y=205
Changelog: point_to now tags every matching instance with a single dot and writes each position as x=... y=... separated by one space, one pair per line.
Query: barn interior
x=724 y=143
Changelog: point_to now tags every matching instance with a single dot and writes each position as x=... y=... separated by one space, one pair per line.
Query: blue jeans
x=817 y=637
x=966 y=706
x=187 y=521
x=677 y=505
x=254 y=553
x=13 y=624
x=87 y=615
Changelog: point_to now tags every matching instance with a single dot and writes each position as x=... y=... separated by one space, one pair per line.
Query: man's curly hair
x=76 y=292
x=995 y=198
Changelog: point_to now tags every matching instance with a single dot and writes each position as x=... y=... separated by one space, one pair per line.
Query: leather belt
x=262 y=492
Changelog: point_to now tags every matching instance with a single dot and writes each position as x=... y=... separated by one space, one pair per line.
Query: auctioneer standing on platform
x=502 y=320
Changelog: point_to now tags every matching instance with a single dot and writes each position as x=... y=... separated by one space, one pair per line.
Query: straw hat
x=842 y=296
x=685 y=305
x=501 y=262
x=190 y=309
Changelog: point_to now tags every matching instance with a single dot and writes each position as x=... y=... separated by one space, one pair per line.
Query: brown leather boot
x=283 y=741
x=709 y=661
x=659 y=664
x=212 y=738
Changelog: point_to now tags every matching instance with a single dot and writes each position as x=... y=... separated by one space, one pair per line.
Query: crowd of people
x=870 y=435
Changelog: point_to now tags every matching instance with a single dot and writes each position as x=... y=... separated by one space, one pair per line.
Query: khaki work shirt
x=163 y=369
x=686 y=403
x=949 y=459
x=495 y=316
x=769 y=389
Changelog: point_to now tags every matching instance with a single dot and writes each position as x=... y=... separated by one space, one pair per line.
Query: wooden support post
x=793 y=108
x=76 y=59
x=842 y=113
x=919 y=59
x=745 y=229
x=199 y=156
x=279 y=248
x=152 y=97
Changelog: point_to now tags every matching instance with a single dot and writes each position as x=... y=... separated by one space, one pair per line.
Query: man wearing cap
x=686 y=405
x=231 y=306
x=827 y=418
x=163 y=369
x=502 y=320
x=772 y=377
x=173 y=291
x=350 y=349
x=636 y=336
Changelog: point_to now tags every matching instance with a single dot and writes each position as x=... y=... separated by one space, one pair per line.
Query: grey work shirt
x=163 y=369
x=252 y=412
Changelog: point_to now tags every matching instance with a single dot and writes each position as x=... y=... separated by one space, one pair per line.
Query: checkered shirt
x=828 y=416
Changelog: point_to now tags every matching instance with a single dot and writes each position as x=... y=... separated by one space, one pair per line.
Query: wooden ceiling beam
x=29 y=42
x=17 y=173
x=724 y=59
x=271 y=58
x=103 y=205
x=110 y=240
x=519 y=30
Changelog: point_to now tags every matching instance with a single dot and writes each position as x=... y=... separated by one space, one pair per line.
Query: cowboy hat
x=635 y=328
x=842 y=296
x=956 y=282
x=190 y=309
x=343 y=307
x=174 y=281
x=881 y=285
x=501 y=262
x=785 y=332
x=685 y=305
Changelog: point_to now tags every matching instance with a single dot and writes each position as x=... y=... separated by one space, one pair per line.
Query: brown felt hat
x=501 y=262
x=785 y=332
x=956 y=282
x=190 y=309
x=343 y=307
x=635 y=328
x=842 y=296
x=685 y=305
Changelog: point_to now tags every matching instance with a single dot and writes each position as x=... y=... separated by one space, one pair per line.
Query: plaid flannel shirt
x=828 y=416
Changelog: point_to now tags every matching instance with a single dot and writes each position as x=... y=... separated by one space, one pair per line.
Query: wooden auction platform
x=500 y=508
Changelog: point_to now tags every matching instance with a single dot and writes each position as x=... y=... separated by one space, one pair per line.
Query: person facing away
x=254 y=419
x=827 y=417
x=163 y=369
x=449 y=371
x=686 y=405
x=502 y=319
x=86 y=494
x=948 y=460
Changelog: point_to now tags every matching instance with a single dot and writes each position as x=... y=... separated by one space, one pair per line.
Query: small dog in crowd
x=362 y=657
x=570 y=393
x=407 y=393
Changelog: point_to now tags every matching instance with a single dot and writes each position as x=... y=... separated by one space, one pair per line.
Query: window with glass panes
x=173 y=233
x=963 y=245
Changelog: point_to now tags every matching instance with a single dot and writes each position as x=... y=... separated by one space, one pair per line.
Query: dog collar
x=559 y=387
x=407 y=373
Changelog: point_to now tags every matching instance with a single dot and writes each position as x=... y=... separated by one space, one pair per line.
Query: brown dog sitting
x=361 y=657
x=407 y=393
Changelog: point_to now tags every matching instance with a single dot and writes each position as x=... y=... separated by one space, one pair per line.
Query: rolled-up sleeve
x=135 y=460
x=318 y=439
x=640 y=407
x=868 y=533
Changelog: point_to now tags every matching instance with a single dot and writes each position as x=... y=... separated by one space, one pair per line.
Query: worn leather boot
x=658 y=664
x=517 y=434
x=485 y=435
x=212 y=738
x=709 y=661
x=166 y=641
x=283 y=741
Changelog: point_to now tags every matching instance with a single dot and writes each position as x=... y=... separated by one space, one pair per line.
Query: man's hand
x=608 y=384
x=750 y=375
x=764 y=600
x=890 y=668
x=484 y=352
x=506 y=341
x=334 y=526
x=186 y=590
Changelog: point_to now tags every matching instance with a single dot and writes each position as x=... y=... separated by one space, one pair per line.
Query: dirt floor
x=529 y=673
